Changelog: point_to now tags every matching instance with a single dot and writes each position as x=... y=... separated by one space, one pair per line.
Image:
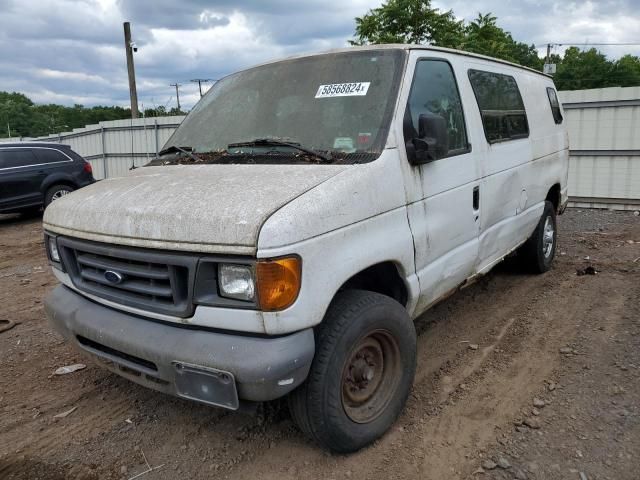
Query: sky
x=72 y=51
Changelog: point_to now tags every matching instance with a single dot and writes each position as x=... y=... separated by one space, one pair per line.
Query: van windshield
x=336 y=105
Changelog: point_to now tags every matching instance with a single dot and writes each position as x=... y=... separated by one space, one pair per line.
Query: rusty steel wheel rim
x=371 y=376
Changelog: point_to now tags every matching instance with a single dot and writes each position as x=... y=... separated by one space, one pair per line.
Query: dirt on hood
x=206 y=208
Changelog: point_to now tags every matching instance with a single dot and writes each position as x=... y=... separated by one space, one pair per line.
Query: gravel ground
x=551 y=392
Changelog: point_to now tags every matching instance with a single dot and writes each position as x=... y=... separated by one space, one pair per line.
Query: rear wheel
x=56 y=192
x=362 y=372
x=539 y=250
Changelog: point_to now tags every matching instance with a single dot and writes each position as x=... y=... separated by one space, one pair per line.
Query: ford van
x=304 y=213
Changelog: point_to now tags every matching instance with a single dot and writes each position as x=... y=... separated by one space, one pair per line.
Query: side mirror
x=432 y=142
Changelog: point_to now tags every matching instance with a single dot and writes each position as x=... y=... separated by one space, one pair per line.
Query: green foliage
x=484 y=36
x=161 y=111
x=591 y=69
x=26 y=119
x=417 y=22
x=408 y=21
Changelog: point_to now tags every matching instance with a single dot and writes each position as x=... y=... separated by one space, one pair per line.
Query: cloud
x=540 y=22
x=72 y=51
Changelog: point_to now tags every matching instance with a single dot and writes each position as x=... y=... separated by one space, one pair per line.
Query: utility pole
x=548 y=53
x=177 y=85
x=130 y=47
x=200 y=81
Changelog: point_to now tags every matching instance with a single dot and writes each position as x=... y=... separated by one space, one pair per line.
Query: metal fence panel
x=114 y=147
x=604 y=138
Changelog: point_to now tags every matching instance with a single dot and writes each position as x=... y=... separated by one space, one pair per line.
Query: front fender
x=329 y=260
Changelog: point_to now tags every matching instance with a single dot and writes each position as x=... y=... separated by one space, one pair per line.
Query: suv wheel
x=56 y=192
x=362 y=372
x=539 y=250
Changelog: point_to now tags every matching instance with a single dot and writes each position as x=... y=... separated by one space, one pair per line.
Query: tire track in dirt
x=24 y=436
x=439 y=427
x=462 y=402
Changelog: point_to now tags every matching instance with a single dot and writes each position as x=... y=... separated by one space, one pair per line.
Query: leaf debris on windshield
x=223 y=156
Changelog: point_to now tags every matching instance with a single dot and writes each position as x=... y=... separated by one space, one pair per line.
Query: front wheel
x=56 y=192
x=361 y=375
x=539 y=250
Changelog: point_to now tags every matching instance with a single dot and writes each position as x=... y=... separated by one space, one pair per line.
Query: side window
x=17 y=158
x=435 y=93
x=555 y=105
x=501 y=106
x=50 y=155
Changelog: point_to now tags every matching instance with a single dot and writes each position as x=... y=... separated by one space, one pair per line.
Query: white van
x=299 y=219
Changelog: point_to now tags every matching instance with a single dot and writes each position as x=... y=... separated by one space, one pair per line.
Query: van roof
x=402 y=46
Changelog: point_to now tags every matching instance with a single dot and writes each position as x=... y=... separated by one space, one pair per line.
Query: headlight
x=236 y=281
x=54 y=254
x=266 y=284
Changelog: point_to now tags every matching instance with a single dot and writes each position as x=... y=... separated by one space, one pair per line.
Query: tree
x=484 y=36
x=15 y=113
x=583 y=69
x=625 y=72
x=408 y=21
x=415 y=21
x=26 y=119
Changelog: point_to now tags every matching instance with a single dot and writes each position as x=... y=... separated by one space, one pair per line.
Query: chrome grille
x=151 y=280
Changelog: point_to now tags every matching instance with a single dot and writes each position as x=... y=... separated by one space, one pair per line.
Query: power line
x=590 y=44
x=177 y=85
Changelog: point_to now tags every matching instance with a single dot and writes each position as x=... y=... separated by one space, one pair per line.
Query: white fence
x=603 y=124
x=604 y=136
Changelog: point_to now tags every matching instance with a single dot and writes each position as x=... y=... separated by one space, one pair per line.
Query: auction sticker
x=356 y=89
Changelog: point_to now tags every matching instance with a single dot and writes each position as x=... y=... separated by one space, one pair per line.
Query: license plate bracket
x=206 y=385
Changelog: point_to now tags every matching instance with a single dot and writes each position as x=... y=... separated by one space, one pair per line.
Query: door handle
x=476 y=198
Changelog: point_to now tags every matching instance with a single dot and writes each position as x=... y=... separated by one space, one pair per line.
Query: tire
x=361 y=374
x=539 y=250
x=55 y=192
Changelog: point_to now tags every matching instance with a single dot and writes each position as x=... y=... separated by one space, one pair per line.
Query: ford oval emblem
x=113 y=277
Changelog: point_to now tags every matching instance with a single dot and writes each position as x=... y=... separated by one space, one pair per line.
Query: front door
x=443 y=195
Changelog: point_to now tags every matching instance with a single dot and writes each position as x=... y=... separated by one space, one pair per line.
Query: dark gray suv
x=33 y=175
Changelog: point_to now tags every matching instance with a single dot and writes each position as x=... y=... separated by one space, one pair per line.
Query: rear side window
x=501 y=107
x=555 y=105
x=50 y=155
x=17 y=158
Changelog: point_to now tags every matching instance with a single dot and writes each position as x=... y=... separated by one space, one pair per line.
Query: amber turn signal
x=278 y=282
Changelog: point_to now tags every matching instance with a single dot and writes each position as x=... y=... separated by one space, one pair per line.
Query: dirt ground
x=551 y=392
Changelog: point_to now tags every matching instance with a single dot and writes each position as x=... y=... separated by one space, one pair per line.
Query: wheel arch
x=554 y=196
x=383 y=278
x=57 y=179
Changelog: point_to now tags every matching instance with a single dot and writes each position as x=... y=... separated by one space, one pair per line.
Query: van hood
x=204 y=208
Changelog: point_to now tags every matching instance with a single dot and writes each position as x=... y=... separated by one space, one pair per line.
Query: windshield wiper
x=272 y=142
x=184 y=150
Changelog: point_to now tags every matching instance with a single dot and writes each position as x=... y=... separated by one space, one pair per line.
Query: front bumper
x=154 y=354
